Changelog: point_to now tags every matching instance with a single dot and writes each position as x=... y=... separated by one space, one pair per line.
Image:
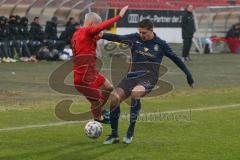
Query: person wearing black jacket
x=37 y=36
x=24 y=32
x=188 y=29
x=234 y=31
x=4 y=41
x=14 y=36
x=4 y=32
x=52 y=39
x=25 y=40
x=3 y=38
x=71 y=27
x=36 y=30
x=51 y=29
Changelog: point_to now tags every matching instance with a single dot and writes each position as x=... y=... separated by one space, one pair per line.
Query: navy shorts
x=129 y=82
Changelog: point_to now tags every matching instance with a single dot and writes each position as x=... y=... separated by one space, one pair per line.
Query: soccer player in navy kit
x=147 y=52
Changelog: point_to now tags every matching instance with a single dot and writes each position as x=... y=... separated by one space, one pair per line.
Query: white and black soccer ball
x=93 y=129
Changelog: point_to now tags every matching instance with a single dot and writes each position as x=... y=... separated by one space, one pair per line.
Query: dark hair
x=70 y=19
x=12 y=16
x=54 y=19
x=17 y=17
x=146 y=23
x=23 y=20
x=35 y=18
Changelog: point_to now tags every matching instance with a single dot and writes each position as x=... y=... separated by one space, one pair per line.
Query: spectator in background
x=234 y=31
x=4 y=44
x=71 y=27
x=51 y=29
x=233 y=38
x=37 y=36
x=65 y=34
x=188 y=29
x=36 y=30
x=51 y=35
x=14 y=43
x=25 y=40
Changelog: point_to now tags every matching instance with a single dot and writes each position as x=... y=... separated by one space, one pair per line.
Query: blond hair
x=93 y=17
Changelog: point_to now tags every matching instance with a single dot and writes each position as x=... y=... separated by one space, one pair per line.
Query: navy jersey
x=147 y=55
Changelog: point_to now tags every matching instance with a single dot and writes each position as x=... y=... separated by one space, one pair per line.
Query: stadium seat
x=165 y=4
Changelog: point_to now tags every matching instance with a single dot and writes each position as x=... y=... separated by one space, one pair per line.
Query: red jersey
x=84 y=43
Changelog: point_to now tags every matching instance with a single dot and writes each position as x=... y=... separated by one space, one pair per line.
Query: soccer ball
x=93 y=129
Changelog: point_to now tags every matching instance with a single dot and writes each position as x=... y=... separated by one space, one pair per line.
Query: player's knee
x=136 y=95
x=115 y=100
x=138 y=92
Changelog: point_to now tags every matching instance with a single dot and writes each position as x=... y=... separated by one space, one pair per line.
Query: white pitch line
x=124 y=116
x=199 y=109
x=40 y=125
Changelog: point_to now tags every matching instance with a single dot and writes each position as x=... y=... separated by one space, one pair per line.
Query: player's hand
x=99 y=36
x=123 y=11
x=190 y=80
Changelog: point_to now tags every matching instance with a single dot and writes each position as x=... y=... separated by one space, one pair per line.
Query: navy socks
x=114 y=117
x=134 y=112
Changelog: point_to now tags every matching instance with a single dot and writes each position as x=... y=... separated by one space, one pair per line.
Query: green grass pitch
x=208 y=128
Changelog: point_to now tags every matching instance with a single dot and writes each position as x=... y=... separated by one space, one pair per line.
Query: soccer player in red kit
x=87 y=79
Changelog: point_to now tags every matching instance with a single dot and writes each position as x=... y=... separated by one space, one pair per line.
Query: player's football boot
x=127 y=139
x=111 y=139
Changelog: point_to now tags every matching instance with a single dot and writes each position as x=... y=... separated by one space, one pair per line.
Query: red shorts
x=89 y=87
x=233 y=44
